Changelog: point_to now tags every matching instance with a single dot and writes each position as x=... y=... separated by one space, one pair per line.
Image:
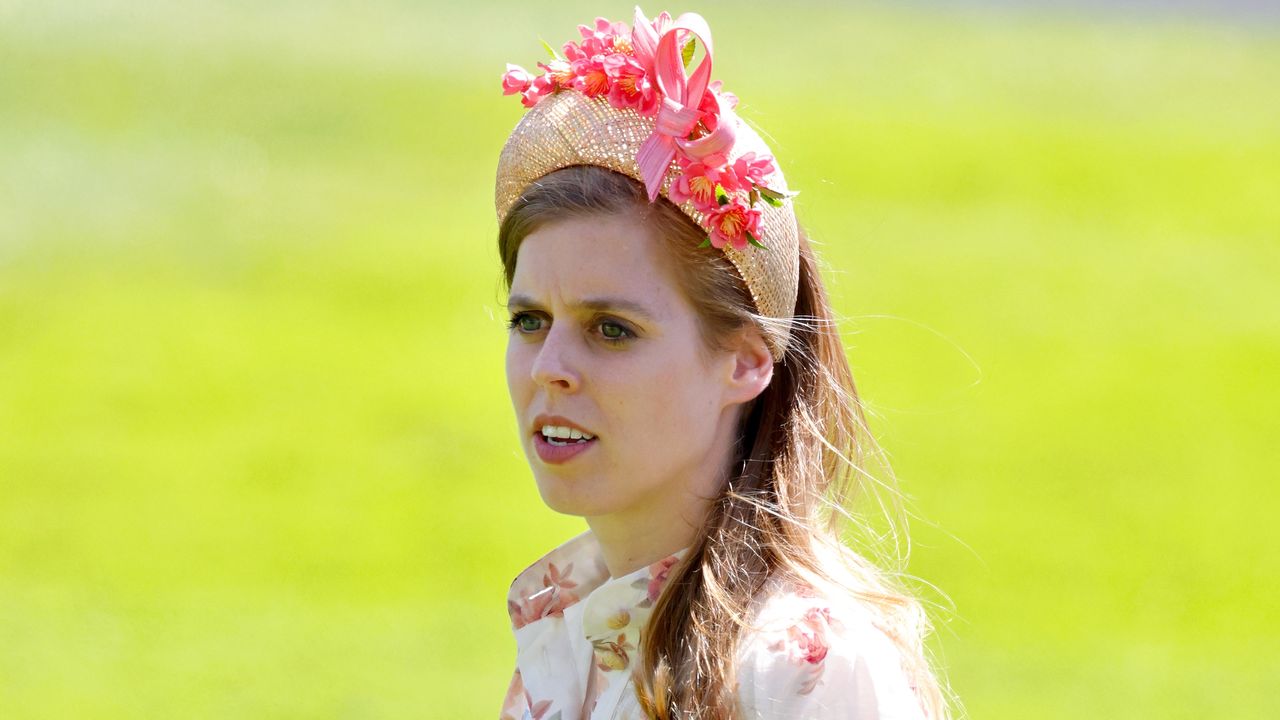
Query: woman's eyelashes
x=610 y=331
x=526 y=323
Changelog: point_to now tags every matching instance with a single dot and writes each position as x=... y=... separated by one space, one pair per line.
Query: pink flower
x=601 y=38
x=556 y=75
x=709 y=106
x=710 y=110
x=728 y=98
x=807 y=641
x=573 y=51
x=589 y=77
x=630 y=86
x=712 y=106
x=559 y=578
x=541 y=85
x=730 y=224
x=810 y=641
x=559 y=72
x=548 y=603
x=556 y=595
x=516 y=80
x=659 y=573
x=697 y=182
x=754 y=170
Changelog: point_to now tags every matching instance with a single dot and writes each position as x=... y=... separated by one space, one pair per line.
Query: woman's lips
x=556 y=454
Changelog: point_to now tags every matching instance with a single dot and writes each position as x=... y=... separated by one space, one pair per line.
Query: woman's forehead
x=587 y=259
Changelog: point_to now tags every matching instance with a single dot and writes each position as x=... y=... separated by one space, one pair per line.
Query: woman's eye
x=611 y=332
x=525 y=323
x=614 y=331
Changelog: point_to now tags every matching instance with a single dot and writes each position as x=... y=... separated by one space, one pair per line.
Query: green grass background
x=256 y=454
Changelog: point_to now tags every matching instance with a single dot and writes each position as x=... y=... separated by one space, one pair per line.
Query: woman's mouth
x=556 y=445
x=562 y=435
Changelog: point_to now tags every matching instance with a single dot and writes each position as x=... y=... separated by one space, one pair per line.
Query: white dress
x=577 y=631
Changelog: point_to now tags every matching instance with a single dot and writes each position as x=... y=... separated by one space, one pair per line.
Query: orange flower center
x=597 y=82
x=731 y=224
x=703 y=189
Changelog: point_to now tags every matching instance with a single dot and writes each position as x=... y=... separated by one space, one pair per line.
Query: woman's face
x=604 y=343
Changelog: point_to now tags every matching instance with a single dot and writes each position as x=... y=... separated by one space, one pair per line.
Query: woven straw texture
x=568 y=128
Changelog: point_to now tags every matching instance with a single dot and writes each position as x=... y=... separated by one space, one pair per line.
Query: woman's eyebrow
x=600 y=304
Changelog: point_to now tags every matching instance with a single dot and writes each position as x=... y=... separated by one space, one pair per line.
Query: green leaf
x=551 y=51
x=722 y=197
x=771 y=200
x=687 y=53
x=706 y=243
x=752 y=239
x=774 y=194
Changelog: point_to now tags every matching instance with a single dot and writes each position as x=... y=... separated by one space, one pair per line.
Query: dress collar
x=615 y=610
x=556 y=581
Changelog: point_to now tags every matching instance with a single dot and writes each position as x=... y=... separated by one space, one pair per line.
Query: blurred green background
x=256 y=454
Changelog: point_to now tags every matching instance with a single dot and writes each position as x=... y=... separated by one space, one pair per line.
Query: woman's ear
x=751 y=369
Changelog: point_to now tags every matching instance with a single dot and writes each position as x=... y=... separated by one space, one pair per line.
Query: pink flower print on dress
x=519 y=704
x=558 y=578
x=659 y=573
x=550 y=601
x=806 y=643
x=613 y=654
x=809 y=638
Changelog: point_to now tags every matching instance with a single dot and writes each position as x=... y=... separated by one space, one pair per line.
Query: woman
x=678 y=381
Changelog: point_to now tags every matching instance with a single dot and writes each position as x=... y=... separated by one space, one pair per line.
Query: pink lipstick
x=556 y=454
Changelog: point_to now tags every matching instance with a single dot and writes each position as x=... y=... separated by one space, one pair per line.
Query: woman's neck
x=669 y=519
x=647 y=534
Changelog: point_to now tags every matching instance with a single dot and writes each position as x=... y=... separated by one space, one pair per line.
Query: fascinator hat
x=632 y=100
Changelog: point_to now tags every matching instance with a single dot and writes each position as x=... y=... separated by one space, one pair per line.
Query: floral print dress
x=578 y=632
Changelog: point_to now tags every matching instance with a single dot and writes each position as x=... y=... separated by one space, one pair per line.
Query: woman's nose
x=554 y=365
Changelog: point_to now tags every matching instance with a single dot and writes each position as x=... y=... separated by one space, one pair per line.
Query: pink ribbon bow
x=659 y=51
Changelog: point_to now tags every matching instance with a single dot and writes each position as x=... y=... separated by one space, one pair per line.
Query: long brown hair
x=802 y=457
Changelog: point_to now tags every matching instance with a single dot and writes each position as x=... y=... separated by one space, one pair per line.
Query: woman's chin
x=577 y=496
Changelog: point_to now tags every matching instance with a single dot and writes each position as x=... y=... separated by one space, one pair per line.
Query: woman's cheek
x=519 y=368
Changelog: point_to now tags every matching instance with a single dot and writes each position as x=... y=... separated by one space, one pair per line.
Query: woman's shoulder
x=817 y=652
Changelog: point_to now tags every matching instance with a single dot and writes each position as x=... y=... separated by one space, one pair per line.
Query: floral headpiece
x=624 y=98
x=644 y=68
